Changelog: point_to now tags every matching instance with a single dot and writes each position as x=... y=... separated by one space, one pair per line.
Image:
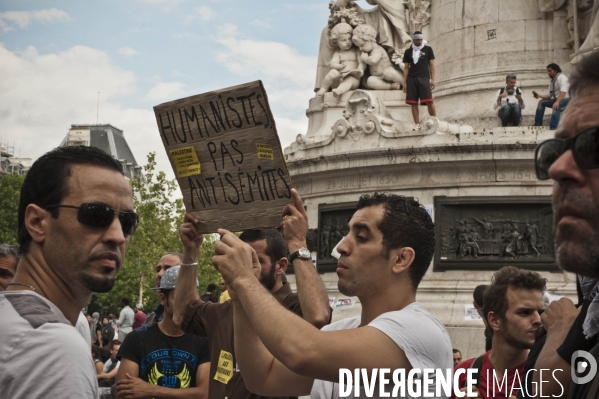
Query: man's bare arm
x=109 y=375
x=557 y=320
x=312 y=294
x=187 y=291
x=314 y=353
x=263 y=374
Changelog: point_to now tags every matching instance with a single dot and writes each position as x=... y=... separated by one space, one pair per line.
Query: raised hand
x=234 y=258
x=190 y=238
x=294 y=222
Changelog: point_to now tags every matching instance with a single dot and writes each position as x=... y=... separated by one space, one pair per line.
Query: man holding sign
x=384 y=256
x=216 y=320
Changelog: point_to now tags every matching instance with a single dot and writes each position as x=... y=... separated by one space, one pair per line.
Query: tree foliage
x=10 y=189
x=160 y=214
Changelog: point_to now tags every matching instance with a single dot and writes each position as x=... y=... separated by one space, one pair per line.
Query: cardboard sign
x=226 y=154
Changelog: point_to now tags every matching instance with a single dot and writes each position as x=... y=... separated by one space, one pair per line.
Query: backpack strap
x=501 y=90
x=477 y=364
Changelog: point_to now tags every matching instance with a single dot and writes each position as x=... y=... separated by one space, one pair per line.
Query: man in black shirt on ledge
x=419 y=76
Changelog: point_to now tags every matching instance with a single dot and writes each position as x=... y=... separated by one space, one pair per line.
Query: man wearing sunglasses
x=571 y=159
x=75 y=220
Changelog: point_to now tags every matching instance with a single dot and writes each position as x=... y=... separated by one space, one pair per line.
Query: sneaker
x=416 y=127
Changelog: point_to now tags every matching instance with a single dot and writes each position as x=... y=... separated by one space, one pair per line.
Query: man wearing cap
x=140 y=317
x=166 y=262
x=216 y=320
x=419 y=76
x=158 y=359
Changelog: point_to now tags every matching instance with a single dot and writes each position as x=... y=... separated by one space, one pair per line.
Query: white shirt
x=109 y=363
x=561 y=83
x=126 y=318
x=509 y=99
x=416 y=332
x=33 y=331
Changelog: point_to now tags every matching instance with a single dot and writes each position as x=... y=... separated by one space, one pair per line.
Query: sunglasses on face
x=584 y=146
x=101 y=216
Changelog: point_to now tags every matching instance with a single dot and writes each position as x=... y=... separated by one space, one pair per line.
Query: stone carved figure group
x=500 y=238
x=333 y=230
x=364 y=48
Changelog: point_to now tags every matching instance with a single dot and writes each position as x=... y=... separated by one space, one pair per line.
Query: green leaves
x=10 y=189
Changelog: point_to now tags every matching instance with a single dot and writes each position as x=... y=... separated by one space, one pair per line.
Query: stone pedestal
x=478 y=42
x=488 y=162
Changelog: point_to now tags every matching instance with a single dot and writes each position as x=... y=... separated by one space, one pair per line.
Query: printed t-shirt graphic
x=166 y=361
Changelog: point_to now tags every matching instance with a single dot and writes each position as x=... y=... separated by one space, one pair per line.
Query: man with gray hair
x=509 y=101
x=570 y=160
x=9 y=259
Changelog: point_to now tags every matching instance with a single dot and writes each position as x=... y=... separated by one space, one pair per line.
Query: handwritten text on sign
x=225 y=151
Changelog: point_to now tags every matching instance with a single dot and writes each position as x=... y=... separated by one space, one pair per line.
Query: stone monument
x=476 y=178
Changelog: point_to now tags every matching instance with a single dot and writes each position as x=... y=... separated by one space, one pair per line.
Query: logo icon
x=584 y=367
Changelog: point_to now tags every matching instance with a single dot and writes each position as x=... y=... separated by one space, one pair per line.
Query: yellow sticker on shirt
x=224 y=368
x=186 y=161
x=265 y=151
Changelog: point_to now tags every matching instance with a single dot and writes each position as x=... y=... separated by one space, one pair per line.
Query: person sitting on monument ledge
x=557 y=96
x=509 y=101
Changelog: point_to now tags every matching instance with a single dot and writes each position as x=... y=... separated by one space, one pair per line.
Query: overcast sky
x=55 y=56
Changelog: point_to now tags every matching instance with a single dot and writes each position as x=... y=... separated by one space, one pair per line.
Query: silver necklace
x=32 y=288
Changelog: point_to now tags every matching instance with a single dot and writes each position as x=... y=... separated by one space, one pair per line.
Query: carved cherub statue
x=383 y=76
x=346 y=65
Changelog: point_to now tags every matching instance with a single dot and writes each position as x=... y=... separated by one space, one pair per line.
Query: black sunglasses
x=585 y=149
x=101 y=216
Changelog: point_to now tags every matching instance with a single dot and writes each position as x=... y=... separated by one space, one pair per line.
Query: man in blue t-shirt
x=159 y=358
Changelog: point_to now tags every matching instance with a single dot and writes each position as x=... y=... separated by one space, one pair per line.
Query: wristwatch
x=301 y=253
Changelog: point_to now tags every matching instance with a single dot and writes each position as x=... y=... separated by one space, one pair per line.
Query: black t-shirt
x=165 y=361
x=420 y=69
x=107 y=334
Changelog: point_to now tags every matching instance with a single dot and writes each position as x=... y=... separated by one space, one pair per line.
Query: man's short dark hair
x=125 y=301
x=585 y=74
x=479 y=293
x=555 y=67
x=405 y=223
x=113 y=343
x=45 y=183
x=509 y=277
x=417 y=33
x=211 y=287
x=457 y=351
x=276 y=248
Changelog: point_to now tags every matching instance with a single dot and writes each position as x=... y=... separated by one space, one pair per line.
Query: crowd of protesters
x=75 y=220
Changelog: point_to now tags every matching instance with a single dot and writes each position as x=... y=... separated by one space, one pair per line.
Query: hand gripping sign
x=226 y=154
